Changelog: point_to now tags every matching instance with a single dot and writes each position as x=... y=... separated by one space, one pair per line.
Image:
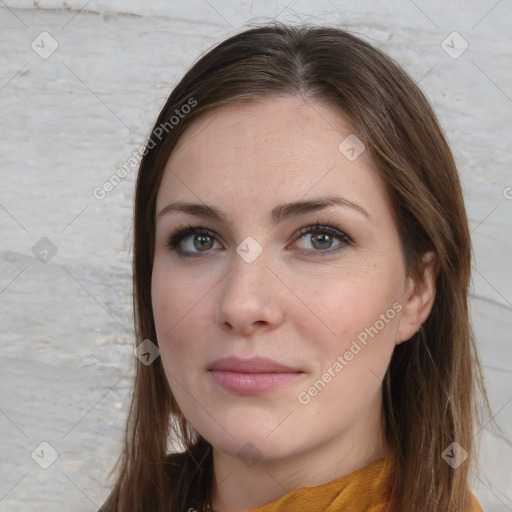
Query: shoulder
x=475 y=505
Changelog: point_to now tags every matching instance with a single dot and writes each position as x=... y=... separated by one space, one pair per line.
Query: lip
x=251 y=365
x=249 y=376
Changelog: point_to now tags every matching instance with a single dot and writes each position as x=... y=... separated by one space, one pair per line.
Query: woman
x=302 y=260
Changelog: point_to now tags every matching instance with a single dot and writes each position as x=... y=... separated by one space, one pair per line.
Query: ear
x=419 y=299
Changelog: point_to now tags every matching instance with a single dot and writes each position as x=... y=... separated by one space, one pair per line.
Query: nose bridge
x=250 y=273
x=248 y=294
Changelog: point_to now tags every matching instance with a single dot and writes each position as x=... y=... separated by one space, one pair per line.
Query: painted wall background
x=80 y=85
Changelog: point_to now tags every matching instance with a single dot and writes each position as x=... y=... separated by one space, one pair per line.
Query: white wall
x=71 y=119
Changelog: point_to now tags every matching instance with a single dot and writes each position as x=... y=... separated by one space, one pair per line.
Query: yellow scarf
x=367 y=489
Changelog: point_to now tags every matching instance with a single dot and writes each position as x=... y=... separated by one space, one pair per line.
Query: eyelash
x=183 y=231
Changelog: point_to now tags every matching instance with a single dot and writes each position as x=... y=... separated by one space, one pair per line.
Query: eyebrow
x=278 y=214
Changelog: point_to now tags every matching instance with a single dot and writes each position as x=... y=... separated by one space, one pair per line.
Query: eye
x=322 y=239
x=194 y=240
x=191 y=240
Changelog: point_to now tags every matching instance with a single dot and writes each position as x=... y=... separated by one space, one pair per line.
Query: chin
x=250 y=446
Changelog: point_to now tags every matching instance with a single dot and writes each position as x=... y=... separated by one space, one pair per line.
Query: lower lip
x=248 y=383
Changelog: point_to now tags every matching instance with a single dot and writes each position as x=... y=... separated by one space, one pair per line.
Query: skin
x=303 y=310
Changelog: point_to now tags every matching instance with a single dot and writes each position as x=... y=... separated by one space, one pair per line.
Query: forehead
x=271 y=151
x=288 y=126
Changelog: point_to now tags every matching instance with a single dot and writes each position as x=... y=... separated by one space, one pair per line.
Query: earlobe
x=419 y=299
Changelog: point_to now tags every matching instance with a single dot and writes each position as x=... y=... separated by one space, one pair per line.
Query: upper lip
x=251 y=365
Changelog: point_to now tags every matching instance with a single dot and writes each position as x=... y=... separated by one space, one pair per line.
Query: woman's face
x=324 y=304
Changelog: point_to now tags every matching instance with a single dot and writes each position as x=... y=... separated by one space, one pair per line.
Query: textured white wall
x=72 y=117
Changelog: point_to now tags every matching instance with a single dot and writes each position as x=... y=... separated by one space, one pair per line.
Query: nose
x=250 y=299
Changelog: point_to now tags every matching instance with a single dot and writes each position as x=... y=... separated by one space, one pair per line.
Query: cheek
x=172 y=302
x=174 y=297
x=182 y=312
x=349 y=365
x=344 y=308
x=359 y=320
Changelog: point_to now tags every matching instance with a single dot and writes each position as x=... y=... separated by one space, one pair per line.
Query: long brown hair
x=430 y=388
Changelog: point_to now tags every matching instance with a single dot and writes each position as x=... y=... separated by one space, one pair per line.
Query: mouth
x=250 y=376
